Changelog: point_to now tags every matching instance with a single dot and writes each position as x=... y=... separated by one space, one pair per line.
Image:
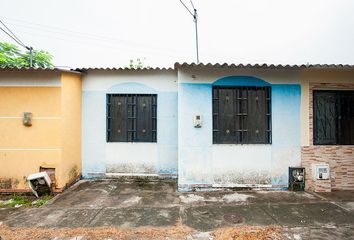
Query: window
x=131 y=117
x=333 y=117
x=242 y=115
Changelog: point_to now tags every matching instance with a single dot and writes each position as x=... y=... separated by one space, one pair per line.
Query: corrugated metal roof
x=120 y=68
x=265 y=66
x=192 y=64
x=53 y=69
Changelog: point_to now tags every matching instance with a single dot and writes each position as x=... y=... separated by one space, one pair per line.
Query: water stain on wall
x=73 y=172
x=8 y=183
x=245 y=177
x=130 y=168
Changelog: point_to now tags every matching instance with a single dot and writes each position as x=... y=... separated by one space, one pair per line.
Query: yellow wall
x=71 y=127
x=53 y=140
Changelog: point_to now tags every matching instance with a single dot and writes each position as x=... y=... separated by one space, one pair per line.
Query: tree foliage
x=12 y=56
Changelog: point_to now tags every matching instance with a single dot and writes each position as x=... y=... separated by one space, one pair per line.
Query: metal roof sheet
x=53 y=69
x=84 y=69
x=266 y=66
x=192 y=64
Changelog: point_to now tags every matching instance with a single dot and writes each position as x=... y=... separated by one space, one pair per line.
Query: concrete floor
x=135 y=204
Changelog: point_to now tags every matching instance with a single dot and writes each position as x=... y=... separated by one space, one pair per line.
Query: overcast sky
x=110 y=32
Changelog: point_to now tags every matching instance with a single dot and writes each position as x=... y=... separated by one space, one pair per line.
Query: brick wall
x=339 y=158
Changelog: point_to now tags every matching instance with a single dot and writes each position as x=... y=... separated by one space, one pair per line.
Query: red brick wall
x=340 y=158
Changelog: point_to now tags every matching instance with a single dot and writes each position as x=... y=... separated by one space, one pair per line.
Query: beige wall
x=51 y=97
x=71 y=127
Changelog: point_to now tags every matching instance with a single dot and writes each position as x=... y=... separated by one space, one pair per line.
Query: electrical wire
x=82 y=35
x=18 y=40
x=187 y=8
x=12 y=37
x=192 y=4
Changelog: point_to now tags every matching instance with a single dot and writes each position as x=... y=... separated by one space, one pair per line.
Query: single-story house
x=210 y=126
x=216 y=126
x=40 y=126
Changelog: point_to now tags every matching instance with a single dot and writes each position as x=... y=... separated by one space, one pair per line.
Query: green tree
x=12 y=56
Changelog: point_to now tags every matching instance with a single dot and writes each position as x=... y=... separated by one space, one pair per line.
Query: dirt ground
x=175 y=232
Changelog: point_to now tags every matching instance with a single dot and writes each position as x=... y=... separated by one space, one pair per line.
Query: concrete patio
x=111 y=203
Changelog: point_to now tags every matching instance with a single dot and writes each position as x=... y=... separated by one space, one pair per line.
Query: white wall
x=100 y=156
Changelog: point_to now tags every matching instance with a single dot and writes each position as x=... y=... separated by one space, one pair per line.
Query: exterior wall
x=101 y=157
x=204 y=164
x=23 y=150
x=71 y=99
x=339 y=158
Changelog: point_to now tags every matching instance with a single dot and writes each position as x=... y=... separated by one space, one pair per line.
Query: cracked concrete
x=137 y=204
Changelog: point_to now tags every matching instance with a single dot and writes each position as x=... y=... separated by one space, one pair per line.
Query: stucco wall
x=101 y=157
x=24 y=149
x=71 y=99
x=202 y=163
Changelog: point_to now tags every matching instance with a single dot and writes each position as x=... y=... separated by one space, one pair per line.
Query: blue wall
x=201 y=162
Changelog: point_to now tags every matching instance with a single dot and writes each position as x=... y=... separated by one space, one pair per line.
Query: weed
x=24 y=200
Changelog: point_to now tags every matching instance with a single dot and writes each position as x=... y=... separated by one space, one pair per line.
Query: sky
x=108 y=33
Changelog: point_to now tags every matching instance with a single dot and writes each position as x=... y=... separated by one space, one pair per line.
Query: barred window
x=333 y=117
x=242 y=115
x=131 y=117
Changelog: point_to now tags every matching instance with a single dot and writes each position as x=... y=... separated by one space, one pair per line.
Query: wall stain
x=246 y=177
x=73 y=172
x=130 y=168
x=8 y=183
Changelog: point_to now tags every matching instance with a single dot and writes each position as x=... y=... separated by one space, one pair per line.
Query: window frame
x=339 y=119
x=131 y=133
x=238 y=116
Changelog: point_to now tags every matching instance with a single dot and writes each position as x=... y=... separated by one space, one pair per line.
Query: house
x=40 y=126
x=209 y=125
x=216 y=126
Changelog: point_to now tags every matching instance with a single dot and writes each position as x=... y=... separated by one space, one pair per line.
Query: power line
x=86 y=36
x=187 y=8
x=18 y=40
x=192 y=4
x=12 y=37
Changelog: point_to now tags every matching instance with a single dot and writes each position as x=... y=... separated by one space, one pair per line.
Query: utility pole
x=195 y=16
x=195 y=19
x=31 y=55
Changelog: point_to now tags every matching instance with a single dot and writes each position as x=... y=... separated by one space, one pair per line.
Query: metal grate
x=131 y=117
x=242 y=115
x=333 y=117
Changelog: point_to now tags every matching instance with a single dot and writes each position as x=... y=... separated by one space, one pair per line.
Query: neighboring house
x=210 y=126
x=53 y=142
x=129 y=122
x=328 y=126
x=220 y=125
